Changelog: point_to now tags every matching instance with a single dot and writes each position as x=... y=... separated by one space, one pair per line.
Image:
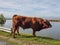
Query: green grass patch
x=29 y=39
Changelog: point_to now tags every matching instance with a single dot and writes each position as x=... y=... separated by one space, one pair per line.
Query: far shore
x=52 y=20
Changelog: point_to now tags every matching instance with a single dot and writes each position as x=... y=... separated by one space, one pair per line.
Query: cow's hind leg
x=34 y=33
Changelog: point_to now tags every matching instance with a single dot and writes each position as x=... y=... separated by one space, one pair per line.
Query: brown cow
x=24 y=22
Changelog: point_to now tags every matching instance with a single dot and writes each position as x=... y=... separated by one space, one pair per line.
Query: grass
x=30 y=40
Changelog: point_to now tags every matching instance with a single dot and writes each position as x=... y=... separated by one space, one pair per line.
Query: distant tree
x=2 y=19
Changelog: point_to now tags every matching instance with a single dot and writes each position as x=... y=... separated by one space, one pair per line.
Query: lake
x=53 y=32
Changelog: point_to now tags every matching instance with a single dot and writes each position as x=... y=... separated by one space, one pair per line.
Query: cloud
x=31 y=7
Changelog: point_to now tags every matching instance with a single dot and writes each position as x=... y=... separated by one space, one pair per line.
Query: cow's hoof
x=34 y=36
x=13 y=37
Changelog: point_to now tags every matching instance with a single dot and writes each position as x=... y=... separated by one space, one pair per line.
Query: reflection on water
x=53 y=32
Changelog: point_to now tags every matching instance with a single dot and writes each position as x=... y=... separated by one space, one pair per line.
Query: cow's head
x=46 y=24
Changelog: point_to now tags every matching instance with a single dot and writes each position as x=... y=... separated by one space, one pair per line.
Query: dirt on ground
x=20 y=42
x=2 y=42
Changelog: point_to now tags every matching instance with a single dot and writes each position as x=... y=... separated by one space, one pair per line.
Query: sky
x=33 y=8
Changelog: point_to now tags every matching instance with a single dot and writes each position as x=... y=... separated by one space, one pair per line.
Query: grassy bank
x=25 y=39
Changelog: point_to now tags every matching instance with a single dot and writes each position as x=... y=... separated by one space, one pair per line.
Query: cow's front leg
x=18 y=31
x=34 y=33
